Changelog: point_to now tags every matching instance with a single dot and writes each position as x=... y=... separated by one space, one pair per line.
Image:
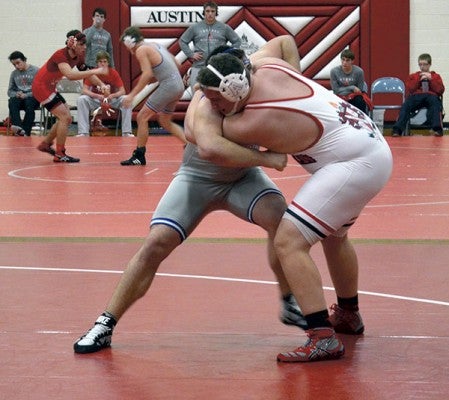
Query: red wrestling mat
x=208 y=328
x=100 y=198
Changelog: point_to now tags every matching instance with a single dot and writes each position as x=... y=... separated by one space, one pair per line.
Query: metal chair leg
x=117 y=122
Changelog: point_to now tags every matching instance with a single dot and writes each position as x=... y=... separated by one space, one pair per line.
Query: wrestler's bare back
x=279 y=130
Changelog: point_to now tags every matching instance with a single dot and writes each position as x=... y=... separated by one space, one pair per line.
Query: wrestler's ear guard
x=233 y=87
x=129 y=41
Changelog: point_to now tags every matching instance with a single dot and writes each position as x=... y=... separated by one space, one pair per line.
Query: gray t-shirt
x=21 y=81
x=343 y=84
x=96 y=40
x=206 y=38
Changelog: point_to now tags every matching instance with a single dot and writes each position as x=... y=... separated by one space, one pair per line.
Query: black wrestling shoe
x=291 y=313
x=64 y=158
x=138 y=158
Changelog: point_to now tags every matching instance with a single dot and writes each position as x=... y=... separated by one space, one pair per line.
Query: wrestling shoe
x=64 y=158
x=138 y=158
x=291 y=313
x=98 y=337
x=346 y=321
x=46 y=148
x=321 y=345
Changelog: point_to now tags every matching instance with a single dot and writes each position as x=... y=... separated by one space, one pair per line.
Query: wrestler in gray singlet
x=201 y=187
x=165 y=97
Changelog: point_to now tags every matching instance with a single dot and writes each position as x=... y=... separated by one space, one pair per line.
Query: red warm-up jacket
x=413 y=84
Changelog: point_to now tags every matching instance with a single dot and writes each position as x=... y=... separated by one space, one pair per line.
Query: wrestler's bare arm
x=96 y=81
x=143 y=56
x=282 y=47
x=74 y=74
x=212 y=146
x=190 y=116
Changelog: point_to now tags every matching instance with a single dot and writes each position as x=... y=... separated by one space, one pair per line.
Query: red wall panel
x=379 y=37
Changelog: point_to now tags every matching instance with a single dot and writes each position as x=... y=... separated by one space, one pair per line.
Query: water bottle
x=425 y=85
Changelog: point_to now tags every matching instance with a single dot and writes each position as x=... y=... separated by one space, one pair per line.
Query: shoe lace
x=97 y=331
x=335 y=308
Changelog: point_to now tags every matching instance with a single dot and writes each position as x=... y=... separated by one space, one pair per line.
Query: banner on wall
x=170 y=17
x=182 y=17
x=321 y=29
x=257 y=25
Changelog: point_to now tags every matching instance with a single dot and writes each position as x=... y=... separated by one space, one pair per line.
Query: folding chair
x=64 y=86
x=389 y=87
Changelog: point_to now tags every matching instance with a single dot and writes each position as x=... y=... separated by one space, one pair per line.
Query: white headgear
x=129 y=41
x=233 y=87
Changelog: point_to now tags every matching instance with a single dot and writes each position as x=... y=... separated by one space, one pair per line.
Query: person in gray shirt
x=98 y=39
x=348 y=81
x=206 y=36
x=20 y=94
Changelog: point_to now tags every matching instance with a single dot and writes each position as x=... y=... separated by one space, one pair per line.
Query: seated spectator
x=93 y=98
x=20 y=94
x=424 y=89
x=348 y=82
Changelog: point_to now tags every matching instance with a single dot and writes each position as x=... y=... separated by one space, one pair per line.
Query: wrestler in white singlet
x=350 y=161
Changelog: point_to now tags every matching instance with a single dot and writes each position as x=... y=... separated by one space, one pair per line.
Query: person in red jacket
x=424 y=89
